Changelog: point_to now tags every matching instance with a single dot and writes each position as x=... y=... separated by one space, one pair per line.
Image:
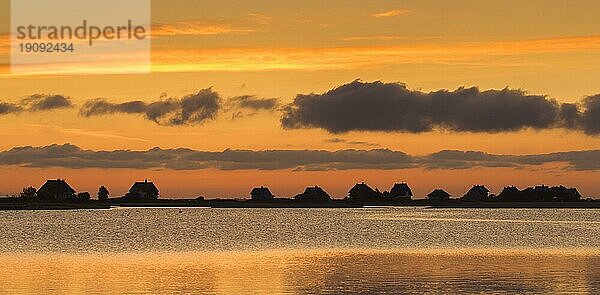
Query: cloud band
x=73 y=157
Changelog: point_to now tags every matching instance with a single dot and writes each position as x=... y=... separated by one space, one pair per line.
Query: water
x=297 y=251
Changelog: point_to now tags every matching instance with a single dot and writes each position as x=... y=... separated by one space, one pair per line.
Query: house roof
x=567 y=191
x=313 y=192
x=510 y=189
x=261 y=191
x=57 y=185
x=145 y=186
x=480 y=189
x=439 y=192
x=360 y=188
x=401 y=189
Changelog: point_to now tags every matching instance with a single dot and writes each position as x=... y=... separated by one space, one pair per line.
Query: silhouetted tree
x=83 y=197
x=103 y=193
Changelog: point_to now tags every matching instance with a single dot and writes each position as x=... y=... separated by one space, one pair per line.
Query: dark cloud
x=248 y=105
x=100 y=106
x=360 y=143
x=36 y=103
x=590 y=118
x=192 y=109
x=70 y=156
x=569 y=115
x=576 y=160
x=378 y=106
x=9 y=108
x=254 y=103
x=335 y=140
x=40 y=102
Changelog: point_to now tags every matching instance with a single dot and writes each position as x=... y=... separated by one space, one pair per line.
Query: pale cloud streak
x=196 y=28
x=359 y=57
x=250 y=59
x=82 y=132
x=253 y=22
x=391 y=38
x=391 y=13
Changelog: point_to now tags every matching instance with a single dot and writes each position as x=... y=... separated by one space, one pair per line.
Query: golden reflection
x=304 y=271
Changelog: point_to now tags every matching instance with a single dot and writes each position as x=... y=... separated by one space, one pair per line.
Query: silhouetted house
x=401 y=191
x=362 y=192
x=438 y=195
x=563 y=194
x=143 y=190
x=476 y=193
x=56 y=189
x=261 y=194
x=510 y=194
x=539 y=193
x=313 y=194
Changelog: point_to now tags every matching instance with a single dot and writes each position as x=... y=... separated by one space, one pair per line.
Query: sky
x=290 y=94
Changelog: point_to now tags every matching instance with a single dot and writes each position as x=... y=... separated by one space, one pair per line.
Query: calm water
x=291 y=251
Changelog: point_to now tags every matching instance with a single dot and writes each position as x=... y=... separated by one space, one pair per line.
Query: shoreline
x=18 y=205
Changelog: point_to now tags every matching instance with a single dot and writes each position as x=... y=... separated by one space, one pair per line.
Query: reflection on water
x=275 y=251
x=293 y=272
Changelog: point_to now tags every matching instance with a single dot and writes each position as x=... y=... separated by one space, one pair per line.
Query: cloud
x=392 y=107
x=391 y=13
x=359 y=143
x=254 y=103
x=73 y=157
x=36 y=103
x=589 y=120
x=249 y=105
x=391 y=38
x=82 y=132
x=40 y=102
x=452 y=159
x=513 y=53
x=203 y=27
x=193 y=109
x=335 y=140
x=9 y=108
x=196 y=28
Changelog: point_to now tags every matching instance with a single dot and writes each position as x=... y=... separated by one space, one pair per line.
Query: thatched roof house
x=261 y=194
x=313 y=194
x=540 y=193
x=362 y=192
x=400 y=191
x=564 y=194
x=438 y=195
x=510 y=194
x=143 y=190
x=476 y=193
x=56 y=189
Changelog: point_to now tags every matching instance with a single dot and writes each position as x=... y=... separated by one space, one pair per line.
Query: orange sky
x=281 y=49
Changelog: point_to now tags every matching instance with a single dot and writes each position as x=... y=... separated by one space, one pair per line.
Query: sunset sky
x=290 y=94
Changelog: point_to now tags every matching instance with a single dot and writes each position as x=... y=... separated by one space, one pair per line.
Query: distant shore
x=17 y=204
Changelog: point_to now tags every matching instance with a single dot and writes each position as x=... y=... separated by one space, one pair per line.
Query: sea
x=373 y=250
